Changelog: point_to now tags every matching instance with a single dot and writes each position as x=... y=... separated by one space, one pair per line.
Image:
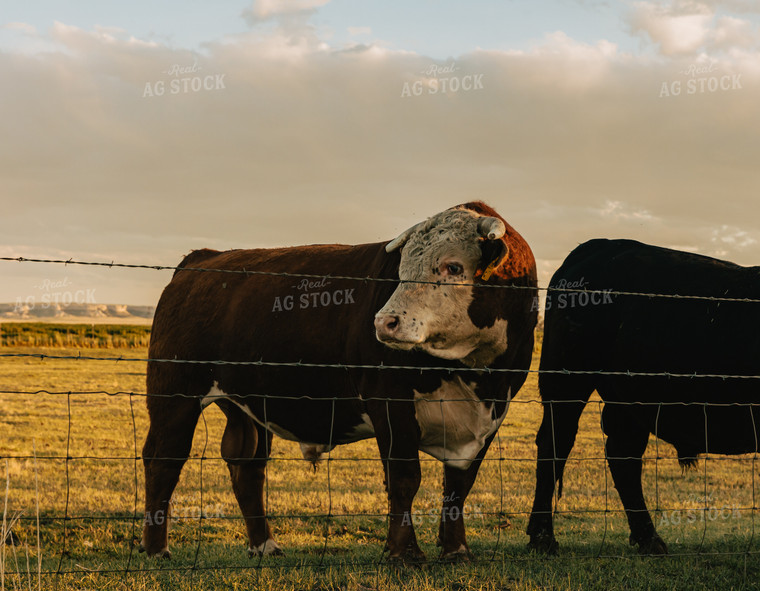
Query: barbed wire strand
x=536 y=401
x=296 y=515
x=718 y=405
x=382 y=367
x=361 y=563
x=368 y=564
x=485 y=285
x=429 y=460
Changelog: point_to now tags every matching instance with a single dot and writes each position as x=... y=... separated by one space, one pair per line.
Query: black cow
x=619 y=333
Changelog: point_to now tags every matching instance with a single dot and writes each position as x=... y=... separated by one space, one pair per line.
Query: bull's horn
x=491 y=228
x=402 y=238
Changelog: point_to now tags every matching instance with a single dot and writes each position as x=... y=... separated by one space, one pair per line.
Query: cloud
x=681 y=27
x=688 y=27
x=740 y=6
x=307 y=143
x=23 y=27
x=74 y=38
x=731 y=32
x=731 y=236
x=264 y=10
x=617 y=211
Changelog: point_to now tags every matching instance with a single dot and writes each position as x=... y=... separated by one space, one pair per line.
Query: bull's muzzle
x=386 y=327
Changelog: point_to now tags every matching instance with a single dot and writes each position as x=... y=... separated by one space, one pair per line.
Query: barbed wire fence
x=699 y=510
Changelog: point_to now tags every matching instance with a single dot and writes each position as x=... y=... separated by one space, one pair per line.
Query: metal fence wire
x=57 y=506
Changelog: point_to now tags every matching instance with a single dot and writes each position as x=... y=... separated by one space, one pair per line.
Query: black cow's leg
x=626 y=443
x=166 y=449
x=555 y=440
x=456 y=486
x=245 y=448
x=397 y=436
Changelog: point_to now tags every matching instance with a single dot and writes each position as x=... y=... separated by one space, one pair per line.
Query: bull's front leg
x=398 y=436
x=457 y=484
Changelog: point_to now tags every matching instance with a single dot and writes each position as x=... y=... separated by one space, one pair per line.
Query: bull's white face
x=435 y=318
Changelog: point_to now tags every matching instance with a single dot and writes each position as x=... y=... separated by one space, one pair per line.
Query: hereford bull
x=642 y=334
x=437 y=315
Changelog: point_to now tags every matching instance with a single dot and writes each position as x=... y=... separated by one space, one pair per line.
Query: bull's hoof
x=462 y=555
x=544 y=543
x=412 y=557
x=653 y=546
x=160 y=555
x=268 y=548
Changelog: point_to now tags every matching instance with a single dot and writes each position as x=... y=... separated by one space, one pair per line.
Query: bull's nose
x=387 y=325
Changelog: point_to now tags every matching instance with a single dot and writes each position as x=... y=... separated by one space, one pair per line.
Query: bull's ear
x=493 y=252
x=401 y=239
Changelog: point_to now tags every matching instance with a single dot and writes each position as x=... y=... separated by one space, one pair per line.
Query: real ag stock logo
x=312 y=294
x=701 y=79
x=573 y=294
x=699 y=508
x=184 y=80
x=442 y=79
x=55 y=293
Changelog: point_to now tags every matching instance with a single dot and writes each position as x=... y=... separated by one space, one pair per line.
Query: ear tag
x=489 y=269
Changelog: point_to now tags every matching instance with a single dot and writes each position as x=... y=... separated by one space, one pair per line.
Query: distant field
x=87 y=336
x=132 y=321
x=97 y=510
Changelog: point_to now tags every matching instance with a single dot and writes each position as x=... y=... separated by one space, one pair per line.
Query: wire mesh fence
x=74 y=426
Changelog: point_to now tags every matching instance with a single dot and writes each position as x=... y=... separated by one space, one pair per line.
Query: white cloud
x=681 y=27
x=263 y=10
x=23 y=27
x=688 y=27
x=733 y=237
x=618 y=211
x=731 y=32
x=741 y=6
x=559 y=61
x=77 y=39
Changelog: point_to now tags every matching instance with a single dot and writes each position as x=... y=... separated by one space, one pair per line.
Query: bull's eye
x=454 y=268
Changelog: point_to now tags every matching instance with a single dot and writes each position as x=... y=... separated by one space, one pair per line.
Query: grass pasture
x=85 y=336
x=90 y=506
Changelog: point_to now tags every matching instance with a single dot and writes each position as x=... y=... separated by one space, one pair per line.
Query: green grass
x=103 y=495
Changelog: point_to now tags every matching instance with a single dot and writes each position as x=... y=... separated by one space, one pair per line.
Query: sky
x=138 y=132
